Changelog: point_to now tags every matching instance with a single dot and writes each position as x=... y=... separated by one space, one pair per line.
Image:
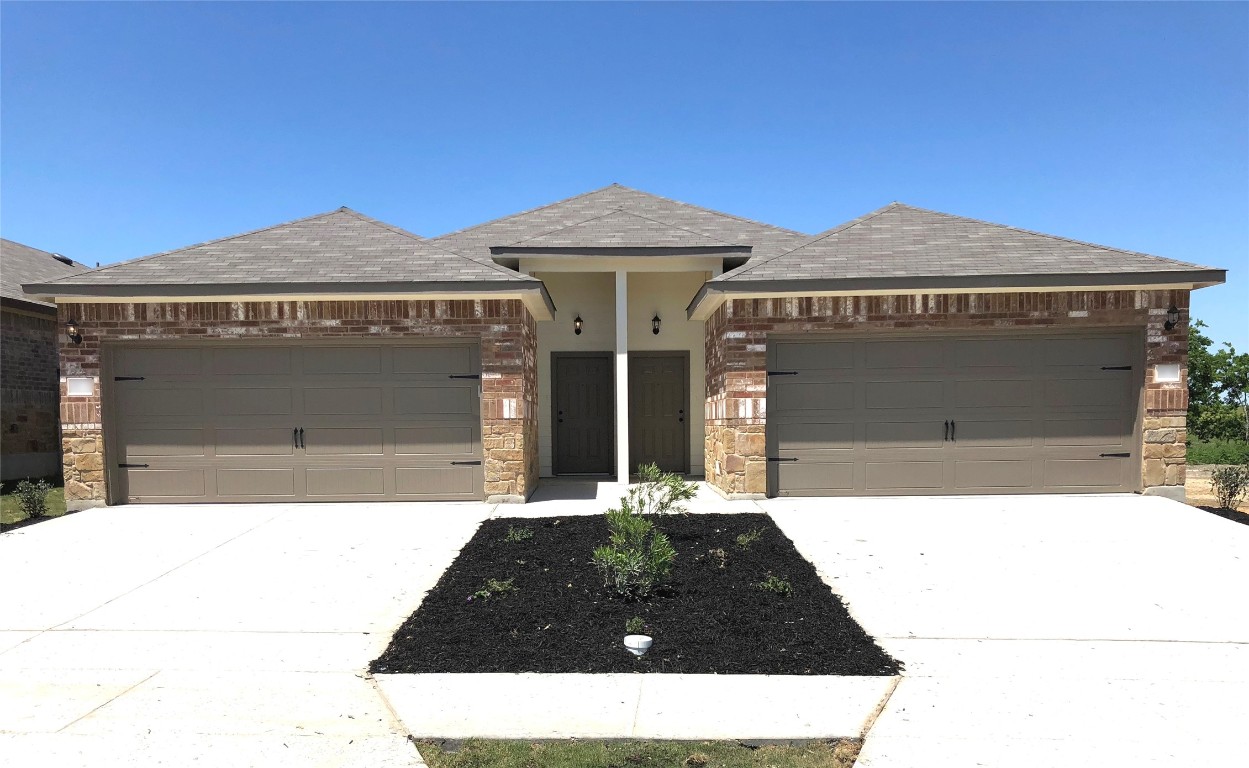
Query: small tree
x=639 y=556
x=1230 y=485
x=32 y=497
x=1218 y=388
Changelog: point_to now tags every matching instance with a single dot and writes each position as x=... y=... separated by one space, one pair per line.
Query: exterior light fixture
x=72 y=333
x=576 y=325
x=655 y=324
x=1173 y=317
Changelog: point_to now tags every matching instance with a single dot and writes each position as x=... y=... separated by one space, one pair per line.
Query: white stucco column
x=622 y=376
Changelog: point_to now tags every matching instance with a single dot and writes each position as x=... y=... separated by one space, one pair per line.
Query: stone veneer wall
x=28 y=395
x=509 y=380
x=736 y=345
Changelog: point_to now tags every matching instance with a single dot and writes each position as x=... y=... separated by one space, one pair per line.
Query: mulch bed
x=707 y=619
x=1228 y=514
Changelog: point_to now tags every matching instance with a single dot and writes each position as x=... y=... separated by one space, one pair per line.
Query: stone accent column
x=735 y=462
x=1165 y=430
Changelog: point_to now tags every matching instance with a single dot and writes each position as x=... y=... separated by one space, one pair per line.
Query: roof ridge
x=569 y=226
x=137 y=259
x=425 y=242
x=748 y=266
x=711 y=210
x=1086 y=243
x=678 y=226
x=522 y=213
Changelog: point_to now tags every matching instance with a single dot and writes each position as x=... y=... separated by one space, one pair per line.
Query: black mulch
x=1228 y=514
x=562 y=619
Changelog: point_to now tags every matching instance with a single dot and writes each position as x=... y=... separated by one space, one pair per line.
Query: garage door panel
x=277 y=482
x=1093 y=352
x=815 y=477
x=165 y=483
x=250 y=361
x=791 y=396
x=343 y=401
x=436 y=482
x=326 y=361
x=993 y=433
x=993 y=353
x=1085 y=432
x=152 y=362
x=1085 y=473
x=255 y=441
x=890 y=435
x=993 y=393
x=804 y=356
x=343 y=441
x=430 y=401
x=904 y=354
x=1001 y=474
x=435 y=441
x=814 y=436
x=434 y=360
x=253 y=401
x=345 y=481
x=908 y=475
x=1100 y=392
x=904 y=394
x=141 y=402
x=164 y=442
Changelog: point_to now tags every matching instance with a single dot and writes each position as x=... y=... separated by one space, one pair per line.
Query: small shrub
x=776 y=585
x=517 y=535
x=638 y=558
x=659 y=493
x=636 y=626
x=493 y=588
x=720 y=557
x=32 y=497
x=1230 y=485
x=746 y=539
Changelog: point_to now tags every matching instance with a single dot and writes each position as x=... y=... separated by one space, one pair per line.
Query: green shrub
x=517 y=535
x=32 y=497
x=746 y=539
x=659 y=493
x=776 y=585
x=639 y=556
x=492 y=588
x=1218 y=452
x=636 y=626
x=1230 y=485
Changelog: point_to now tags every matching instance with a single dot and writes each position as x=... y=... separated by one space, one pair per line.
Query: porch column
x=622 y=376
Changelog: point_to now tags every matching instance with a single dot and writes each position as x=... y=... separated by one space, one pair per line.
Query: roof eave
x=713 y=293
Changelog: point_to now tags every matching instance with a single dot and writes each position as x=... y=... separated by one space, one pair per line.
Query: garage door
x=863 y=415
x=294 y=422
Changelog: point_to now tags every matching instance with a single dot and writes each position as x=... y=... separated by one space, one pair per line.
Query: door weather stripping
x=466 y=463
x=782 y=373
x=127 y=378
x=132 y=466
x=1116 y=367
x=777 y=458
x=465 y=376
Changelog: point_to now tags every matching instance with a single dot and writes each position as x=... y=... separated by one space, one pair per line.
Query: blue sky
x=129 y=129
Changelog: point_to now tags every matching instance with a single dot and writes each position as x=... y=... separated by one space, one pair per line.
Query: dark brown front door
x=583 y=413
x=658 y=399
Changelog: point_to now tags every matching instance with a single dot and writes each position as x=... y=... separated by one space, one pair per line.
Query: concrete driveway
x=1043 y=631
x=223 y=635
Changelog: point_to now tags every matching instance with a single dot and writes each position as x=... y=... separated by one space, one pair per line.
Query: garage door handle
x=1114 y=455
x=776 y=458
x=302 y=444
x=952 y=428
x=295 y=437
x=947 y=430
x=466 y=463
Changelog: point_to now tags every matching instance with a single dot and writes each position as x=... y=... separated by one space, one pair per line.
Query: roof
x=901 y=241
x=21 y=264
x=620 y=217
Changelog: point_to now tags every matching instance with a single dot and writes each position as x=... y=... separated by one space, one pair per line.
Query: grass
x=11 y=513
x=482 y=753
x=1218 y=452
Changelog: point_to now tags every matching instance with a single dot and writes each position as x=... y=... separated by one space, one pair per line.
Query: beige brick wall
x=736 y=349
x=506 y=330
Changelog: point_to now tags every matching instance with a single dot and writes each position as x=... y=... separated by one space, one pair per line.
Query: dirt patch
x=711 y=618
x=1199 y=494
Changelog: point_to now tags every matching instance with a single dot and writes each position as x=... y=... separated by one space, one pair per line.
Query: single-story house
x=338 y=357
x=30 y=444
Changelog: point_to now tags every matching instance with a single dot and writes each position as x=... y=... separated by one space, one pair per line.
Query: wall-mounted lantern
x=1173 y=317
x=72 y=333
x=576 y=325
x=655 y=321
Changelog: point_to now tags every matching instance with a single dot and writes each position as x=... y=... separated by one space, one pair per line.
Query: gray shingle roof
x=340 y=246
x=899 y=241
x=476 y=241
x=22 y=264
x=620 y=229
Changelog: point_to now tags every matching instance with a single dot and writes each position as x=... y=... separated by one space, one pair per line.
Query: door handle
x=946 y=435
x=953 y=427
x=302 y=444
x=295 y=437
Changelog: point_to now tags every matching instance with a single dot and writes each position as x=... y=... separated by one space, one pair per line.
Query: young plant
x=719 y=556
x=517 y=535
x=659 y=493
x=638 y=556
x=746 y=539
x=776 y=585
x=32 y=497
x=1230 y=485
x=494 y=588
x=636 y=626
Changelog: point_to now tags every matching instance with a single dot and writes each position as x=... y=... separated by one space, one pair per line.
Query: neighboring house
x=30 y=444
x=337 y=357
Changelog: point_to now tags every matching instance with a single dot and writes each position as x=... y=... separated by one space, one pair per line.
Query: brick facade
x=736 y=348
x=28 y=394
x=507 y=333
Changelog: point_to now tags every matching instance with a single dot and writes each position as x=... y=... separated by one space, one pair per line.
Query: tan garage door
x=954 y=414
x=294 y=422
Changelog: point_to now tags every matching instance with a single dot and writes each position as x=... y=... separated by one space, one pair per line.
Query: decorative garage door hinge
x=1116 y=367
x=777 y=458
x=1114 y=455
x=782 y=373
x=127 y=378
x=465 y=376
x=132 y=466
x=466 y=463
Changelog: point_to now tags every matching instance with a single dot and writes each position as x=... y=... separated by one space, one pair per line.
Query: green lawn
x=481 y=753
x=1218 y=452
x=11 y=513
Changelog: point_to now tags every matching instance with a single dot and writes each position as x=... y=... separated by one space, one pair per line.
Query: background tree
x=1218 y=388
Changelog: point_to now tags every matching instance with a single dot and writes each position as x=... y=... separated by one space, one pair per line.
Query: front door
x=658 y=399
x=583 y=413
